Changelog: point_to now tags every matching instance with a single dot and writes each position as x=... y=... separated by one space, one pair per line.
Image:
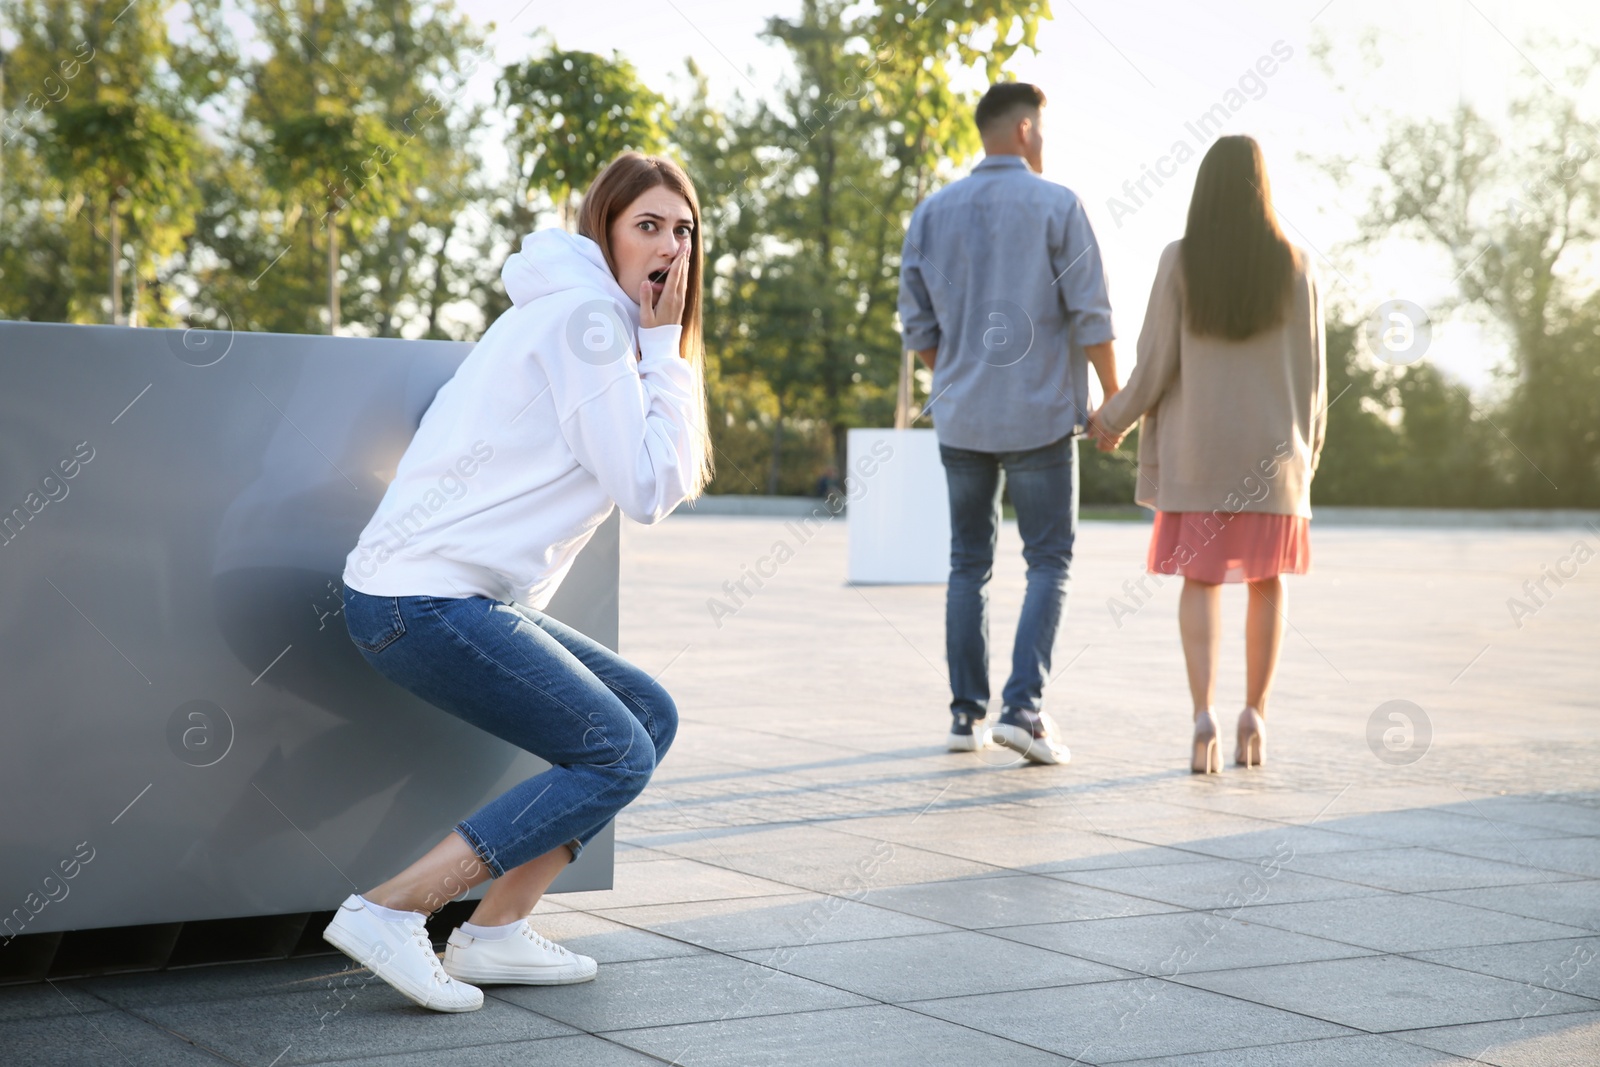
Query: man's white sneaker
x=1032 y=733
x=401 y=954
x=524 y=958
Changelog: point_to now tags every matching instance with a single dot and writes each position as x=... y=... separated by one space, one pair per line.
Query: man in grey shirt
x=1003 y=296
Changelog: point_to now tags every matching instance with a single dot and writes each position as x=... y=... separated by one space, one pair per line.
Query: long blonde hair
x=622 y=182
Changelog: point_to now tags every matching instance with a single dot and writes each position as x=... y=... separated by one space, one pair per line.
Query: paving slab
x=1441 y=828
x=582 y=1050
x=1369 y=1050
x=1214 y=883
x=370 y=1019
x=1009 y=900
x=671 y=881
x=1544 y=967
x=314 y=976
x=607 y=940
x=770 y=922
x=686 y=989
x=1574 y=903
x=1419 y=870
x=922 y=966
x=43 y=999
x=1547 y=1041
x=95 y=1038
x=845 y=1037
x=1572 y=857
x=811 y=879
x=1109 y=1021
x=1393 y=922
x=1379 y=994
x=1175 y=942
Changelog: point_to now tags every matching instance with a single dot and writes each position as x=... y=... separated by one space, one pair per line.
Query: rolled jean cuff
x=485 y=853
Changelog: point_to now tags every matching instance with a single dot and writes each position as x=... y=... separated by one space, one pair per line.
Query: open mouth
x=659 y=276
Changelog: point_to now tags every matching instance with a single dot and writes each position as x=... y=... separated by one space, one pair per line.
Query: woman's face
x=647 y=235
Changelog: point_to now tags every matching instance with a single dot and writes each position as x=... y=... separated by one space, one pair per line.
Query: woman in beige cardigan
x=1230 y=385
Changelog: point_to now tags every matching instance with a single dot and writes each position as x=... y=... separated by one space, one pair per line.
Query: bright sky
x=1124 y=77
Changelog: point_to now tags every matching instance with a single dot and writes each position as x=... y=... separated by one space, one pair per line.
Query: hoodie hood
x=555 y=261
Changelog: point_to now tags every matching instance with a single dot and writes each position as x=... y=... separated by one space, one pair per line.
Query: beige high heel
x=1205 y=759
x=1252 y=738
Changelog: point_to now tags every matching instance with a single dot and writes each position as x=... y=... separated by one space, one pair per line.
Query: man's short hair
x=1003 y=101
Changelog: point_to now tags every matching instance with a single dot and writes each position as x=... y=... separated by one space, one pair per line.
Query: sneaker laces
x=539 y=939
x=419 y=937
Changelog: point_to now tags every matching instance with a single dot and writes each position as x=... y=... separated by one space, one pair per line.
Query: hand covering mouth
x=659 y=275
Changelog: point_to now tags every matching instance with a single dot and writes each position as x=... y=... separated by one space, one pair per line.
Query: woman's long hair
x=622 y=182
x=1237 y=265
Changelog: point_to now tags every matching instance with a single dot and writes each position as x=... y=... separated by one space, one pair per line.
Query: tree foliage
x=326 y=176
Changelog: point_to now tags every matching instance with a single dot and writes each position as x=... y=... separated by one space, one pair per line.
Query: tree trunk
x=333 y=277
x=438 y=282
x=138 y=291
x=116 y=259
x=777 y=453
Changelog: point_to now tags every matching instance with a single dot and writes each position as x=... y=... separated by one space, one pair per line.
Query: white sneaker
x=401 y=954
x=1034 y=734
x=525 y=958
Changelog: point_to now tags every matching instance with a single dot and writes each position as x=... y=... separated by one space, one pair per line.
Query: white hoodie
x=549 y=422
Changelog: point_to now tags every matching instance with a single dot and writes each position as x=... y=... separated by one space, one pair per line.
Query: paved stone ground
x=812 y=880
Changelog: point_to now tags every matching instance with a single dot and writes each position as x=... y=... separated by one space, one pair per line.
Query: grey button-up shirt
x=1001 y=272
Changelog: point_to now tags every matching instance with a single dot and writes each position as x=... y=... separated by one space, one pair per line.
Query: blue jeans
x=1044 y=492
x=600 y=722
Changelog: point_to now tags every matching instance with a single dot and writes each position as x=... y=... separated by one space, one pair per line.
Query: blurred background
x=363 y=167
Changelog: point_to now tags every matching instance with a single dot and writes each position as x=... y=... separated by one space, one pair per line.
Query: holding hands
x=1104 y=439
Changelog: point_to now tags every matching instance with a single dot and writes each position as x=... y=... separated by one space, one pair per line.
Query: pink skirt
x=1216 y=547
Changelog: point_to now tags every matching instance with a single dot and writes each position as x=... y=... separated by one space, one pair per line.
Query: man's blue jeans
x=1044 y=492
x=519 y=674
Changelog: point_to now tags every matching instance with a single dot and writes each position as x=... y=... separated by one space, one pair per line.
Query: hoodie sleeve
x=626 y=419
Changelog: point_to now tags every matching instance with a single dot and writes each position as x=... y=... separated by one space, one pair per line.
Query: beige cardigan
x=1228 y=425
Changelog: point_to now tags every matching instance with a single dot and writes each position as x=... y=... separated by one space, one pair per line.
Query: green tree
x=89 y=93
x=325 y=144
x=571 y=114
x=1515 y=206
x=856 y=139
